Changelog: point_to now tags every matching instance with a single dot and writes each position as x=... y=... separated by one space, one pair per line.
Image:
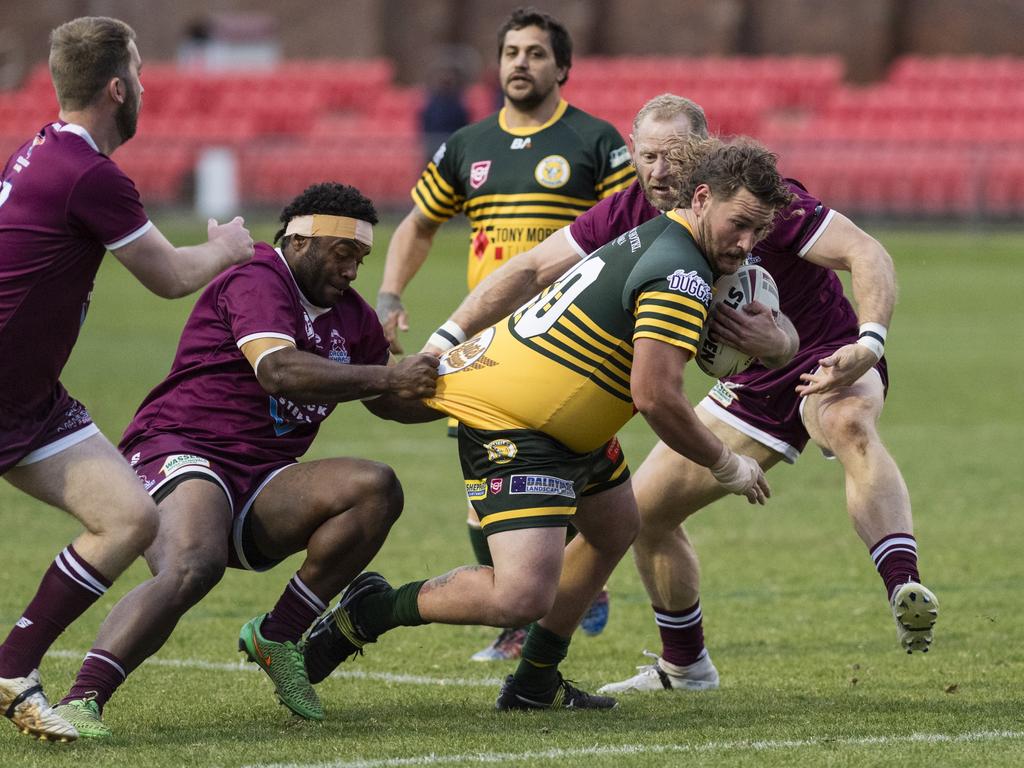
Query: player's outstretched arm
x=845 y=246
x=508 y=288
x=755 y=329
x=307 y=378
x=656 y=384
x=173 y=272
x=408 y=249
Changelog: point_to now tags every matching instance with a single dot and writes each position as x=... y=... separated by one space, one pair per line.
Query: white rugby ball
x=748 y=283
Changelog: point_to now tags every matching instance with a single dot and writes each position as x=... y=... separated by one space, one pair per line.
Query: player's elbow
x=646 y=399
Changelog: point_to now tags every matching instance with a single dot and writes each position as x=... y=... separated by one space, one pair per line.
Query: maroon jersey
x=211 y=395
x=63 y=204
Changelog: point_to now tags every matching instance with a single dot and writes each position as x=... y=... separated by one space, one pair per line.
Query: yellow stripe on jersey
x=625 y=360
x=614 y=181
x=666 y=339
x=673 y=298
x=597 y=330
x=495 y=213
x=585 y=367
x=515 y=514
x=434 y=201
x=537 y=197
x=443 y=187
x=671 y=328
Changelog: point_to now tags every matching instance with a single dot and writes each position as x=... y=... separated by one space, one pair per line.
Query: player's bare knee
x=130 y=528
x=190 y=576
x=381 y=492
x=524 y=607
x=850 y=433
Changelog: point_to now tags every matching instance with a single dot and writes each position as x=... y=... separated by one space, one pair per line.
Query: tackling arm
x=656 y=385
x=173 y=272
x=509 y=287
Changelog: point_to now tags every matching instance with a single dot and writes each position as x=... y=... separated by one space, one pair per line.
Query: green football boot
x=284 y=664
x=84 y=714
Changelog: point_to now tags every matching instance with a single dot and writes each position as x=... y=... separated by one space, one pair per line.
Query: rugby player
x=539 y=396
x=518 y=175
x=831 y=392
x=268 y=350
x=63 y=204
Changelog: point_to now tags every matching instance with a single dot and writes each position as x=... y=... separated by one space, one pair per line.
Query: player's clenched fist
x=414 y=376
x=232 y=237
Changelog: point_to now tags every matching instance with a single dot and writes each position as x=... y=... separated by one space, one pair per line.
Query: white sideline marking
x=652 y=749
x=244 y=666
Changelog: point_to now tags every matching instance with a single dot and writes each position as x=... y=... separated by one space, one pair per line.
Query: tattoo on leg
x=443 y=580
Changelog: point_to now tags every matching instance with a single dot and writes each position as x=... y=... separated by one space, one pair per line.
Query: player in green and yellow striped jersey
x=518 y=176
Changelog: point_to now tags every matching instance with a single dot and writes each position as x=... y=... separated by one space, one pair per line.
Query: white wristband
x=872 y=336
x=447 y=336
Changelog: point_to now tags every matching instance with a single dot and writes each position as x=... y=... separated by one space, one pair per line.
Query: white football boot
x=915 y=609
x=663 y=676
x=23 y=702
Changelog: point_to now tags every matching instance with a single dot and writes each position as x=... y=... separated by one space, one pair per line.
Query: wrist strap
x=447 y=336
x=872 y=336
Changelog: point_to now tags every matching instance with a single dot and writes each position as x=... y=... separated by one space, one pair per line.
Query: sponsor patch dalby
x=545 y=485
x=179 y=460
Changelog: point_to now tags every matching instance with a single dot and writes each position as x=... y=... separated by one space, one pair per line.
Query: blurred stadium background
x=894 y=108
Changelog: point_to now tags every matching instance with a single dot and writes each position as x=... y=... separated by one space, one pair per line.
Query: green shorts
x=520 y=478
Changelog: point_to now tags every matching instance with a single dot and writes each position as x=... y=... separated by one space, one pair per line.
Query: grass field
x=795 y=616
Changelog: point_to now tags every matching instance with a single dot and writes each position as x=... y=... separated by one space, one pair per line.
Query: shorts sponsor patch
x=496 y=484
x=178 y=460
x=543 y=485
x=613 y=450
x=476 y=489
x=501 y=451
x=722 y=395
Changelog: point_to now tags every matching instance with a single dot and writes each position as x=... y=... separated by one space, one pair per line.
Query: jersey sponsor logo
x=288 y=415
x=691 y=284
x=496 y=484
x=339 y=352
x=552 y=172
x=476 y=489
x=541 y=485
x=308 y=323
x=634 y=240
x=613 y=450
x=466 y=353
x=501 y=451
x=723 y=394
x=618 y=156
x=478 y=173
x=439 y=155
x=520 y=143
x=135 y=458
x=178 y=460
x=752 y=258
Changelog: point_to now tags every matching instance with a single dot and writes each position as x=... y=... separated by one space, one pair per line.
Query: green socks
x=542 y=653
x=395 y=608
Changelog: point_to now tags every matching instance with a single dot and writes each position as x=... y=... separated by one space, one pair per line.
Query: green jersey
x=518 y=185
x=561 y=364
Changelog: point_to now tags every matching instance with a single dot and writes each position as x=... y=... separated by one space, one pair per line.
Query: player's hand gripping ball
x=749 y=283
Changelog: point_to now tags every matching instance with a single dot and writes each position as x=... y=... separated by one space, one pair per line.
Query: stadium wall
x=408 y=31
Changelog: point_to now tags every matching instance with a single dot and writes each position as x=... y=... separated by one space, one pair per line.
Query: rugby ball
x=748 y=283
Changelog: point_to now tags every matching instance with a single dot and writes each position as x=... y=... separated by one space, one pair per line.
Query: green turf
x=796 y=618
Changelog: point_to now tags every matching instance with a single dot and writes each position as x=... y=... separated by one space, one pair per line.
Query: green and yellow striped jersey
x=518 y=185
x=561 y=363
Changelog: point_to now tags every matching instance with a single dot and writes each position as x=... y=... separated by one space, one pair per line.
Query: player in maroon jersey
x=831 y=391
x=268 y=351
x=63 y=204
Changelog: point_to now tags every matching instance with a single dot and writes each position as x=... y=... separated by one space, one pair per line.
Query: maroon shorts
x=62 y=423
x=763 y=403
x=163 y=461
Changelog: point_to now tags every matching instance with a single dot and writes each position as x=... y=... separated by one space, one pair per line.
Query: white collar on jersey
x=78 y=131
x=311 y=309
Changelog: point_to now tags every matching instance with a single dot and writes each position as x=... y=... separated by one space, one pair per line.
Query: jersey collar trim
x=530 y=130
x=78 y=131
x=680 y=220
x=311 y=309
